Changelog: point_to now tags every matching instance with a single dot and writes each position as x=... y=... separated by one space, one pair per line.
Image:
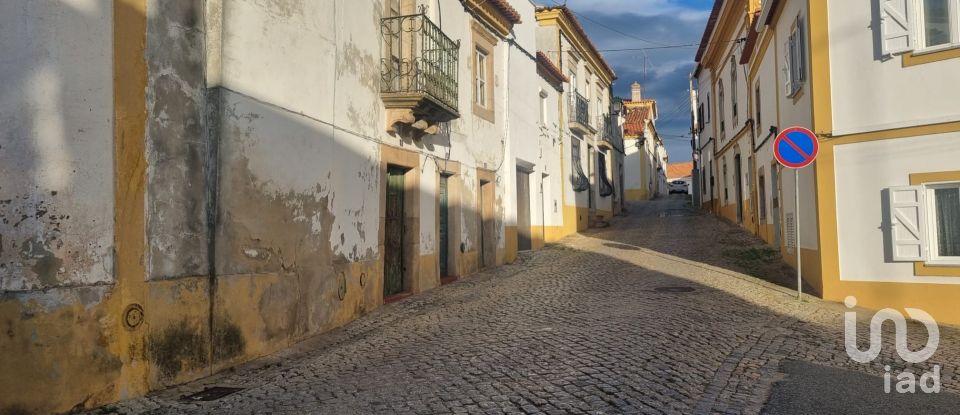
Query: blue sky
x=658 y=23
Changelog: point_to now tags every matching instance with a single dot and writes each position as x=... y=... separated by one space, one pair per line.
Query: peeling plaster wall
x=56 y=147
x=178 y=150
x=264 y=151
x=56 y=205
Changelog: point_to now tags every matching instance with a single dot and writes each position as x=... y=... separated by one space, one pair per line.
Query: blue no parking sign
x=796 y=147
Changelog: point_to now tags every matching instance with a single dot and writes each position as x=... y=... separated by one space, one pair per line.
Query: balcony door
x=393 y=233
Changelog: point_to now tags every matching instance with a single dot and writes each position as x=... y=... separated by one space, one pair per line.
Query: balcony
x=608 y=132
x=418 y=74
x=580 y=114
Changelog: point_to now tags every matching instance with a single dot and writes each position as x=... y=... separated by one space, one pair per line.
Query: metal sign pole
x=796 y=224
x=796 y=148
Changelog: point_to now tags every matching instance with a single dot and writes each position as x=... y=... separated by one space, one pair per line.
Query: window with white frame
x=919 y=25
x=795 y=59
x=945 y=223
x=925 y=223
x=938 y=23
x=481 y=81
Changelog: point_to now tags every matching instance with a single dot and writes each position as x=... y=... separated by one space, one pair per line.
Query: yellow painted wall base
x=604 y=214
x=510 y=252
x=937 y=299
x=575 y=219
x=636 y=195
x=554 y=234
x=729 y=212
x=811 y=266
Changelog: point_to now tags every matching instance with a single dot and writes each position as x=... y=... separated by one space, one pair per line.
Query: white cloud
x=636 y=7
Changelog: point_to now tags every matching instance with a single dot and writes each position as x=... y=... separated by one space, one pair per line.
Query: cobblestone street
x=659 y=313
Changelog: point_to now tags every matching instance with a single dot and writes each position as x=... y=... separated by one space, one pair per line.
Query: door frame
x=451 y=169
x=395 y=157
x=487 y=255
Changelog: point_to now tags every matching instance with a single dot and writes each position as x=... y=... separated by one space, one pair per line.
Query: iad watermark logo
x=907 y=382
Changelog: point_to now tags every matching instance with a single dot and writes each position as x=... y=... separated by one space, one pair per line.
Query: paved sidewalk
x=655 y=314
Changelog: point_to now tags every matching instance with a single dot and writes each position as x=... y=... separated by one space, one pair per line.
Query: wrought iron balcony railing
x=608 y=131
x=419 y=59
x=580 y=114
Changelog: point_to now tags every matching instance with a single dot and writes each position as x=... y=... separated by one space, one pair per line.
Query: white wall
x=770 y=95
x=319 y=66
x=631 y=165
x=860 y=211
x=530 y=142
x=553 y=157
x=872 y=92
x=794 y=111
x=56 y=144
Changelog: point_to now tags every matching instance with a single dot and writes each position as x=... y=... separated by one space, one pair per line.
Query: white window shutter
x=908 y=231
x=787 y=82
x=801 y=50
x=896 y=26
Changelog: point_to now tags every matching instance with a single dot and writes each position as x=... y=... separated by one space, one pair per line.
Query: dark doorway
x=738 y=171
x=524 y=242
x=444 y=227
x=488 y=245
x=393 y=233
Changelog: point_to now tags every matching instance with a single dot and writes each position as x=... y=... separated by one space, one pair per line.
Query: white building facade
x=879 y=212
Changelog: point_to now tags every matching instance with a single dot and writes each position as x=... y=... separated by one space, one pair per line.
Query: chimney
x=635 y=90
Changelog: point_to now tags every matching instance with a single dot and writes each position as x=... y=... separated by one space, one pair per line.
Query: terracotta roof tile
x=752 y=39
x=547 y=66
x=679 y=170
x=504 y=7
x=636 y=121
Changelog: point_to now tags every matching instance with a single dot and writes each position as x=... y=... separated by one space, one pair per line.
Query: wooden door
x=444 y=228
x=393 y=234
